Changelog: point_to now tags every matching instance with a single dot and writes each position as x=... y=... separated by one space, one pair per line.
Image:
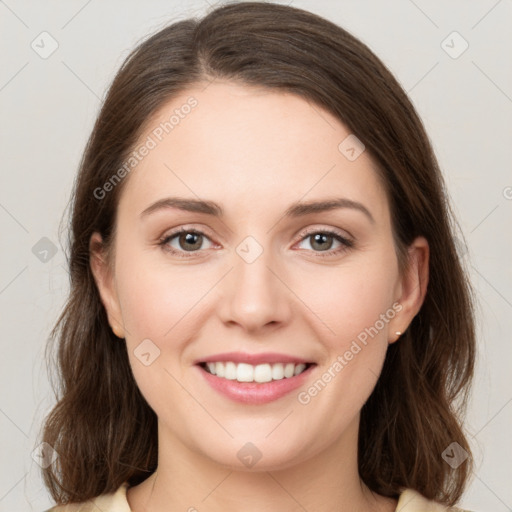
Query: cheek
x=165 y=304
x=155 y=298
x=353 y=297
x=357 y=309
x=356 y=305
x=160 y=310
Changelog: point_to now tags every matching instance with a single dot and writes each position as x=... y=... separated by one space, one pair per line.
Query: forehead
x=249 y=148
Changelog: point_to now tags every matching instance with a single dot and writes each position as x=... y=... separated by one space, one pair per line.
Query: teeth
x=243 y=372
x=230 y=371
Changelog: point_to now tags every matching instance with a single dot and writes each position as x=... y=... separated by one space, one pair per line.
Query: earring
x=398 y=333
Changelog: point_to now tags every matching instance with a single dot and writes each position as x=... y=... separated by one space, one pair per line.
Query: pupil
x=321 y=237
x=189 y=239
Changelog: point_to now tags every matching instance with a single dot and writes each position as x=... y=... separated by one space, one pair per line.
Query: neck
x=187 y=480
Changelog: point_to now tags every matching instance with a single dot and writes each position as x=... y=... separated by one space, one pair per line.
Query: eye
x=185 y=241
x=324 y=239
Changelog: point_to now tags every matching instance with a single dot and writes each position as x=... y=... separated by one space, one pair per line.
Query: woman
x=267 y=309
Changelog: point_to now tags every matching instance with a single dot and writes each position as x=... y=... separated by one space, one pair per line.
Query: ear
x=412 y=288
x=103 y=276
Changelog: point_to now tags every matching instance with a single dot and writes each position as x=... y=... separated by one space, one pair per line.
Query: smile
x=243 y=372
x=254 y=384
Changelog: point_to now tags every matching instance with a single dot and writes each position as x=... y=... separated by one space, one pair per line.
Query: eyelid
x=187 y=228
x=325 y=229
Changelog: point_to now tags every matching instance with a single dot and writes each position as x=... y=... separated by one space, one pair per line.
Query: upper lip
x=253 y=359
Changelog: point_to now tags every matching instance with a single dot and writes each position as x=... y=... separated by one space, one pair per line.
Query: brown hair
x=102 y=428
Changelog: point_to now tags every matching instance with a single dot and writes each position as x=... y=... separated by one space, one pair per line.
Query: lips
x=253 y=359
x=254 y=378
x=255 y=393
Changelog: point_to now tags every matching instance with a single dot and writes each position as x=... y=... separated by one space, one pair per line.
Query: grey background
x=48 y=106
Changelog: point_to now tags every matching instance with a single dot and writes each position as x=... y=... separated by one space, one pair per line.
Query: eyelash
x=346 y=243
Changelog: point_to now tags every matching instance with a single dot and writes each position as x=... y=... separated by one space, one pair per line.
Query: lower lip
x=254 y=392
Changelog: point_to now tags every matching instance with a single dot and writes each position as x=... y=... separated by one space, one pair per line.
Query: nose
x=254 y=295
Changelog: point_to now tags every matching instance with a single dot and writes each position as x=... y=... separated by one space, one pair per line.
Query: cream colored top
x=408 y=501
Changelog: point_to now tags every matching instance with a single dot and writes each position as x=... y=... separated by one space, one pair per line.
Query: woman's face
x=262 y=276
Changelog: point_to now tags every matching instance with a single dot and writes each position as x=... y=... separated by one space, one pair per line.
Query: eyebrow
x=297 y=209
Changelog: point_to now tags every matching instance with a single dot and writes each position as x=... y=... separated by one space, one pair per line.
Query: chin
x=257 y=455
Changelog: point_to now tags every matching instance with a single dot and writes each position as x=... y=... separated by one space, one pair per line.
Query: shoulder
x=111 y=502
x=412 y=501
x=409 y=501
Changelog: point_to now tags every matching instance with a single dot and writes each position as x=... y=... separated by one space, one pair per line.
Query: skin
x=255 y=152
